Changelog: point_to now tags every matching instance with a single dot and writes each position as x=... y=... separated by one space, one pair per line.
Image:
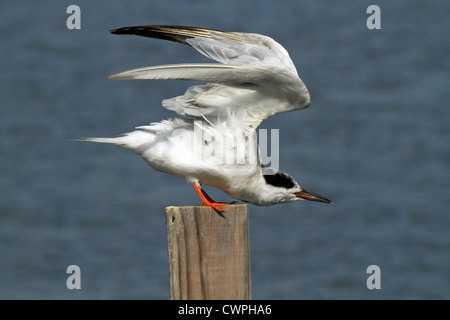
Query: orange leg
x=207 y=201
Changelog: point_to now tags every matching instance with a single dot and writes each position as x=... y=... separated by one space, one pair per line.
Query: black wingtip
x=125 y=30
x=155 y=31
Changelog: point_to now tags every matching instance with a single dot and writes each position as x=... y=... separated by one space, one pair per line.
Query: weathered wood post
x=209 y=256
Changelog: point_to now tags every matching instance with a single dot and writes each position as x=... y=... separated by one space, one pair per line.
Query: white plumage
x=215 y=142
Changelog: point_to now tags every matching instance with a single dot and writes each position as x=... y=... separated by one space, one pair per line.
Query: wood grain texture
x=209 y=256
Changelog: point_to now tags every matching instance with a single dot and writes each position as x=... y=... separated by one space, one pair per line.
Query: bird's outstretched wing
x=254 y=80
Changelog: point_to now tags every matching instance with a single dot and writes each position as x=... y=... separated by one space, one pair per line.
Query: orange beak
x=306 y=195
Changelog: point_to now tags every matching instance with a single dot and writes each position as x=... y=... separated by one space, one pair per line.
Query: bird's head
x=285 y=189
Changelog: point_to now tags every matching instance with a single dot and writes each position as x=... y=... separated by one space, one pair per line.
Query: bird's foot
x=218 y=206
x=207 y=201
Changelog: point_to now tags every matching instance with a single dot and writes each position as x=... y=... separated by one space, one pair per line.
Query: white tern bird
x=214 y=142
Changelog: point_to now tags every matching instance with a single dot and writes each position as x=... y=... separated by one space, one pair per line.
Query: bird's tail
x=114 y=141
x=136 y=141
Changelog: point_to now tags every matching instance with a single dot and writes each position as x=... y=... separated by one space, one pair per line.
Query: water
x=375 y=140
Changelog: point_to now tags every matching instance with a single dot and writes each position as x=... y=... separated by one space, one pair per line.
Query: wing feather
x=256 y=77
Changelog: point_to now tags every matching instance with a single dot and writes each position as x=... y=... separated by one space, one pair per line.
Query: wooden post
x=209 y=256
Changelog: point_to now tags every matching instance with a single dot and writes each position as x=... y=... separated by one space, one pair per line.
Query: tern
x=254 y=79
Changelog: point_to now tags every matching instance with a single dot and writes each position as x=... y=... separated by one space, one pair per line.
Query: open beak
x=306 y=195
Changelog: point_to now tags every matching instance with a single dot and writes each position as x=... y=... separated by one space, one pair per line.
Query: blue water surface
x=375 y=140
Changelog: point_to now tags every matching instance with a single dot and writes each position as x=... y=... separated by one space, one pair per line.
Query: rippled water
x=375 y=140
